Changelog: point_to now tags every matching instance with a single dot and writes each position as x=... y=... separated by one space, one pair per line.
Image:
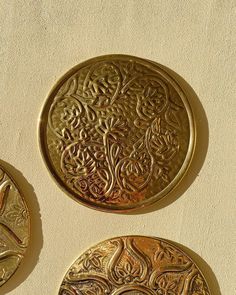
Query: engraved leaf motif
x=199 y=287
x=128 y=271
x=71 y=115
x=90 y=114
x=130 y=67
x=162 y=283
x=115 y=149
x=164 y=253
x=164 y=174
x=120 y=271
x=164 y=145
x=155 y=96
x=67 y=134
x=17 y=214
x=69 y=87
x=102 y=84
x=167 y=286
x=112 y=127
x=93 y=261
x=172 y=117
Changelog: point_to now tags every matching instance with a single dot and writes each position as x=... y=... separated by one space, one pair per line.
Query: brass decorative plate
x=134 y=265
x=117 y=132
x=14 y=227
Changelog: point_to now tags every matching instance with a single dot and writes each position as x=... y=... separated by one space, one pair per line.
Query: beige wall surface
x=39 y=41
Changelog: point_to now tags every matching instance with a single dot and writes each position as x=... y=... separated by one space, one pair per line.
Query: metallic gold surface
x=14 y=227
x=117 y=133
x=134 y=265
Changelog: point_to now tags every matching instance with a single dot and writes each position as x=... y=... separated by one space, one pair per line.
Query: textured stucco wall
x=39 y=41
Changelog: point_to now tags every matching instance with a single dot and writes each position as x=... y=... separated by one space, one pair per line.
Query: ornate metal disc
x=134 y=265
x=117 y=132
x=14 y=227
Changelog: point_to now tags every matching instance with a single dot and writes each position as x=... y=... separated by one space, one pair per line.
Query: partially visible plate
x=14 y=227
x=134 y=265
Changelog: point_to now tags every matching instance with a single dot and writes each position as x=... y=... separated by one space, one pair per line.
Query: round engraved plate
x=117 y=133
x=14 y=227
x=134 y=265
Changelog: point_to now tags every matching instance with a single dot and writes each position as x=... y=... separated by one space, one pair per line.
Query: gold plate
x=14 y=227
x=134 y=265
x=117 y=133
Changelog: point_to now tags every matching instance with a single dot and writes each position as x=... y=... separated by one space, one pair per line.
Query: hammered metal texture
x=117 y=133
x=14 y=227
x=134 y=265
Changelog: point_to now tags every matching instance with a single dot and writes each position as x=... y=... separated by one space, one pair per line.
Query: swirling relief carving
x=117 y=132
x=14 y=227
x=134 y=265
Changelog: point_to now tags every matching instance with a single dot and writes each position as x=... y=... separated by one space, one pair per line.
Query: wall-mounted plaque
x=117 y=133
x=14 y=227
x=134 y=265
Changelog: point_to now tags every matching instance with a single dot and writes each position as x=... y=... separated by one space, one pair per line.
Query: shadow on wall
x=204 y=268
x=36 y=239
x=199 y=156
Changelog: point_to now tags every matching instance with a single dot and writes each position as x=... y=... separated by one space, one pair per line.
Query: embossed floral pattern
x=17 y=214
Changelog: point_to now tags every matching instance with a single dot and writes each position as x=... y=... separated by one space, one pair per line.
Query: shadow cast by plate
x=203 y=266
x=200 y=152
x=36 y=237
